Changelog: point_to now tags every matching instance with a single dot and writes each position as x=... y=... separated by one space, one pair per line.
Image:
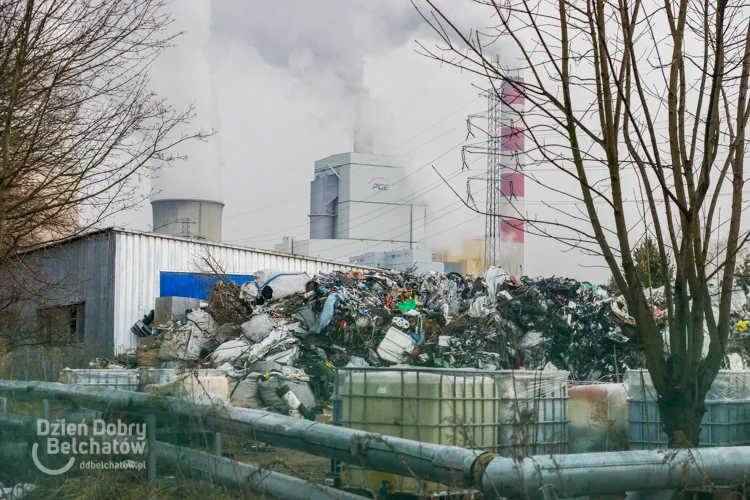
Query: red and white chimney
x=512 y=176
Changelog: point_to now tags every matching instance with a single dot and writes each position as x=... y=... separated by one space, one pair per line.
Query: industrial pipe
x=568 y=475
x=616 y=472
x=448 y=465
x=239 y=474
x=231 y=472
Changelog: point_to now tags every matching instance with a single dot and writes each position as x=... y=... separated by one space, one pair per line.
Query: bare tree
x=79 y=127
x=601 y=78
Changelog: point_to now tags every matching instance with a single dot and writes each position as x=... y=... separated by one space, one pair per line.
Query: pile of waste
x=280 y=337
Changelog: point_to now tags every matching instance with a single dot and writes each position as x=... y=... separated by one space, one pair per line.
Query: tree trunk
x=681 y=415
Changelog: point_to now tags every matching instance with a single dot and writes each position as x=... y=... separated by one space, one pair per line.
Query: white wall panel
x=140 y=257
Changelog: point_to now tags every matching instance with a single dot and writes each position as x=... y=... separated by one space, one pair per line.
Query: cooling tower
x=188 y=218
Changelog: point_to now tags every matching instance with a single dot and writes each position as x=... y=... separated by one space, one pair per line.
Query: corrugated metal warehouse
x=107 y=279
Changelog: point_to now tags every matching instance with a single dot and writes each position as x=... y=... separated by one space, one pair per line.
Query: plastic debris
x=395 y=345
x=17 y=492
x=298 y=329
x=328 y=308
x=258 y=327
x=272 y=284
x=409 y=305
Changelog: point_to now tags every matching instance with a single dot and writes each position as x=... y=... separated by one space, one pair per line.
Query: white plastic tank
x=116 y=379
x=598 y=418
x=443 y=406
x=539 y=413
x=726 y=421
x=168 y=375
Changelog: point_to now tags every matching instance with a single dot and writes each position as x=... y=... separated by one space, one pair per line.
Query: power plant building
x=360 y=204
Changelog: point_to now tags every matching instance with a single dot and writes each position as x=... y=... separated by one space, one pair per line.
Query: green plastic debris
x=408 y=305
x=441 y=363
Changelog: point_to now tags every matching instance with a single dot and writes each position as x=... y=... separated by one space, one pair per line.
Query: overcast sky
x=284 y=82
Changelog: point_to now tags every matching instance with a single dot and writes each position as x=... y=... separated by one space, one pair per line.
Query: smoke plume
x=183 y=74
x=324 y=46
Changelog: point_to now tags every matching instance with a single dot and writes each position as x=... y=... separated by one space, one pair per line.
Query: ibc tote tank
x=539 y=423
x=442 y=406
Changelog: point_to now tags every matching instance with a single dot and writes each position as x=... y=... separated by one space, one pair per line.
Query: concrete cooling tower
x=188 y=218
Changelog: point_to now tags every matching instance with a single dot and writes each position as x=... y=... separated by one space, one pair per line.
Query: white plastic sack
x=493 y=278
x=258 y=327
x=279 y=339
x=739 y=301
x=245 y=393
x=481 y=307
x=355 y=362
x=300 y=389
x=281 y=283
x=451 y=299
x=228 y=332
x=212 y=389
x=285 y=357
x=185 y=342
x=202 y=321
x=243 y=387
x=174 y=342
x=230 y=351
x=203 y=331
x=530 y=339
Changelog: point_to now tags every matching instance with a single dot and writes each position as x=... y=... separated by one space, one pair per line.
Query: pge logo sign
x=379 y=184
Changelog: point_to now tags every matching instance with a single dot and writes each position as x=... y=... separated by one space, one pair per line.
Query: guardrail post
x=151 y=436
x=45 y=409
x=217 y=443
x=4 y=405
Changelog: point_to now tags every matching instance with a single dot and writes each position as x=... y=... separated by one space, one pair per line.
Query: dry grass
x=128 y=485
x=289 y=462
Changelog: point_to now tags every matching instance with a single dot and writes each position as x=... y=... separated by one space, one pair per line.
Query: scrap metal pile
x=288 y=332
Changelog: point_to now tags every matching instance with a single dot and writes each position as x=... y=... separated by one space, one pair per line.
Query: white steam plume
x=184 y=75
x=324 y=44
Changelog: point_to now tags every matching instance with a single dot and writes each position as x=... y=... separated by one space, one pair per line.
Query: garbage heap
x=288 y=332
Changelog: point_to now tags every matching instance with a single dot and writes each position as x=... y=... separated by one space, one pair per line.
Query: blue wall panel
x=194 y=285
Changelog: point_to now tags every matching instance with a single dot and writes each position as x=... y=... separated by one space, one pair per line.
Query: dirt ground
x=292 y=463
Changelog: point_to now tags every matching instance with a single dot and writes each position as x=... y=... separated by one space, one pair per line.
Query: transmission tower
x=492 y=222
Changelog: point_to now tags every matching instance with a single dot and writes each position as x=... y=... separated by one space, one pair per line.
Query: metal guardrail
x=538 y=476
x=448 y=465
x=224 y=469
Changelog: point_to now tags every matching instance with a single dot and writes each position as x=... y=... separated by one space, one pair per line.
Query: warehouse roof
x=113 y=229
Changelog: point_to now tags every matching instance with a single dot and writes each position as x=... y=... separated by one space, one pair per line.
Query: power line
x=371 y=216
x=445 y=230
x=305 y=193
x=340 y=224
x=407 y=224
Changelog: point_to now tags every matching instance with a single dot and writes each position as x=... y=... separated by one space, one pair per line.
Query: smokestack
x=512 y=177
